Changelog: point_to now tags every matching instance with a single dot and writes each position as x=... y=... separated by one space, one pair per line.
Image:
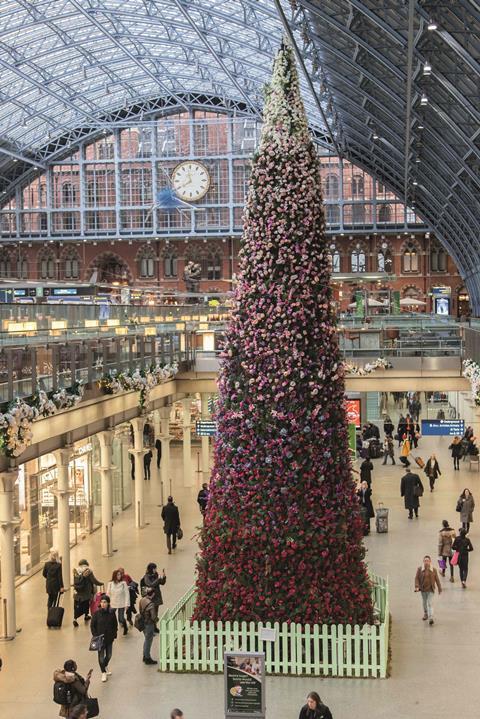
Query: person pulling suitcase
x=381 y=519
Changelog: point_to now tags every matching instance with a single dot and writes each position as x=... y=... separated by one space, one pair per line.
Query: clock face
x=190 y=180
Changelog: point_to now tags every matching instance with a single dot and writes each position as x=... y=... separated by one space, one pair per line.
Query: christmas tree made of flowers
x=282 y=539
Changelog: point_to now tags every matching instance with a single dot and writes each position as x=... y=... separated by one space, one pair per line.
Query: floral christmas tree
x=282 y=538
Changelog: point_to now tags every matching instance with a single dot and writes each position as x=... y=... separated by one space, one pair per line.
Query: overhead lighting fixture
x=432 y=25
x=375 y=136
x=427 y=69
x=424 y=100
x=420 y=127
x=415 y=183
x=418 y=160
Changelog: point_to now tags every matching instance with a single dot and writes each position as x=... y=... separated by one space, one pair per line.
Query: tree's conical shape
x=282 y=539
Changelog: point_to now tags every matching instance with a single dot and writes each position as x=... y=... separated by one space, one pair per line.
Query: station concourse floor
x=434 y=669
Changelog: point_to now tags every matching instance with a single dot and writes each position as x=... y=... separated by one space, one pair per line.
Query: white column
x=62 y=458
x=187 y=444
x=165 y=438
x=138 y=452
x=106 y=440
x=205 y=441
x=8 y=621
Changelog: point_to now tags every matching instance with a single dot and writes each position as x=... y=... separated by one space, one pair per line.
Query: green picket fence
x=315 y=650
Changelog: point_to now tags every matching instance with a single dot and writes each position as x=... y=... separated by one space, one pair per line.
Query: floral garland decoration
x=368 y=368
x=471 y=370
x=140 y=380
x=16 y=423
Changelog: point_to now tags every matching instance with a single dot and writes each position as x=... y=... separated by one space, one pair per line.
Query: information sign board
x=206 y=428
x=244 y=685
x=443 y=427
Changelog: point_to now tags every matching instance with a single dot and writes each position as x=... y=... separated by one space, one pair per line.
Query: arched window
x=22 y=268
x=170 y=265
x=438 y=259
x=71 y=266
x=385 y=214
x=214 y=267
x=358 y=260
x=331 y=187
x=334 y=260
x=410 y=258
x=384 y=260
x=332 y=214
x=5 y=264
x=46 y=266
x=358 y=214
x=358 y=185
x=69 y=193
x=146 y=262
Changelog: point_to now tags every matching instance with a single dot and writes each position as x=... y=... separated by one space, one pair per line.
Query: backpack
x=62 y=693
x=139 y=621
x=79 y=581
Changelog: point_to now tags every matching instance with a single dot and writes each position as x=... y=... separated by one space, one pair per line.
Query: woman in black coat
x=366 y=471
x=388 y=427
x=52 y=571
x=364 y=495
x=314 y=708
x=104 y=621
x=411 y=489
x=432 y=470
x=463 y=546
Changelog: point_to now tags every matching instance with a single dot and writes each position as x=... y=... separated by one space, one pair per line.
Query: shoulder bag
x=97 y=643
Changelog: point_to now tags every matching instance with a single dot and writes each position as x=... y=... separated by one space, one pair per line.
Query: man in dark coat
x=147 y=461
x=171 y=523
x=411 y=489
x=366 y=471
x=202 y=498
x=158 y=447
x=364 y=495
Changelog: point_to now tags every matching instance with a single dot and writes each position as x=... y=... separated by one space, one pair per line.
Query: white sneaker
x=109 y=674
x=104 y=676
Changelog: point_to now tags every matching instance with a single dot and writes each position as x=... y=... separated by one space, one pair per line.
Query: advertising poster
x=352 y=408
x=244 y=684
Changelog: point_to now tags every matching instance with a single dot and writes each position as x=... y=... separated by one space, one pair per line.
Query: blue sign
x=443 y=427
x=206 y=428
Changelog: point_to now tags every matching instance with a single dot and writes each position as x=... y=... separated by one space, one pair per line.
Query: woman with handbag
x=466 y=505
x=432 y=470
x=117 y=590
x=445 y=542
x=463 y=546
x=104 y=628
x=457 y=451
x=52 y=571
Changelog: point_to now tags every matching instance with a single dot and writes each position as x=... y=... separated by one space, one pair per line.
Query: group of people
x=463 y=447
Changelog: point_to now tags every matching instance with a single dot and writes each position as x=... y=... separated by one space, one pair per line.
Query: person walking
x=388 y=450
x=466 y=505
x=364 y=495
x=152 y=580
x=52 y=571
x=411 y=489
x=426 y=579
x=148 y=613
x=445 y=542
x=366 y=471
x=405 y=449
x=171 y=523
x=463 y=546
x=315 y=708
x=104 y=622
x=432 y=470
x=147 y=461
x=117 y=590
x=388 y=426
x=456 y=451
x=133 y=591
x=202 y=498
x=77 y=685
x=84 y=583
x=401 y=429
x=158 y=447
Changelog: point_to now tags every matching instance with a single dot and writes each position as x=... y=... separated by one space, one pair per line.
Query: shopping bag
x=454 y=559
x=97 y=643
x=442 y=563
x=93 y=709
x=179 y=533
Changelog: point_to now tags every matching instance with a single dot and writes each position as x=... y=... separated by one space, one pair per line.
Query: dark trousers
x=411 y=511
x=463 y=568
x=171 y=545
x=159 y=458
x=451 y=565
x=104 y=656
x=432 y=482
x=466 y=525
x=456 y=463
x=146 y=470
x=52 y=599
x=386 y=455
x=80 y=608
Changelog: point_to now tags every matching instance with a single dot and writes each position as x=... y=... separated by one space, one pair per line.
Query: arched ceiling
x=380 y=87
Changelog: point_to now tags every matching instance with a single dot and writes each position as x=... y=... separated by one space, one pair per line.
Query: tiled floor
x=434 y=669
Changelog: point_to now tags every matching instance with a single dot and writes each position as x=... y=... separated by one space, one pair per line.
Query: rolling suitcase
x=55 y=615
x=420 y=462
x=375 y=449
x=381 y=519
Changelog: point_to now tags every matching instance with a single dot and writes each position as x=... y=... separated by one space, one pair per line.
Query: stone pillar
x=138 y=452
x=8 y=621
x=106 y=440
x=187 y=444
x=165 y=438
x=62 y=458
x=205 y=441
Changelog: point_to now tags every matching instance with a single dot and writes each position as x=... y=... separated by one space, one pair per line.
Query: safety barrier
x=310 y=650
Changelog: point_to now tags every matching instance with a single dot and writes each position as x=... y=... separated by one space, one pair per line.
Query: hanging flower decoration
x=16 y=423
x=368 y=368
x=140 y=380
x=471 y=370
